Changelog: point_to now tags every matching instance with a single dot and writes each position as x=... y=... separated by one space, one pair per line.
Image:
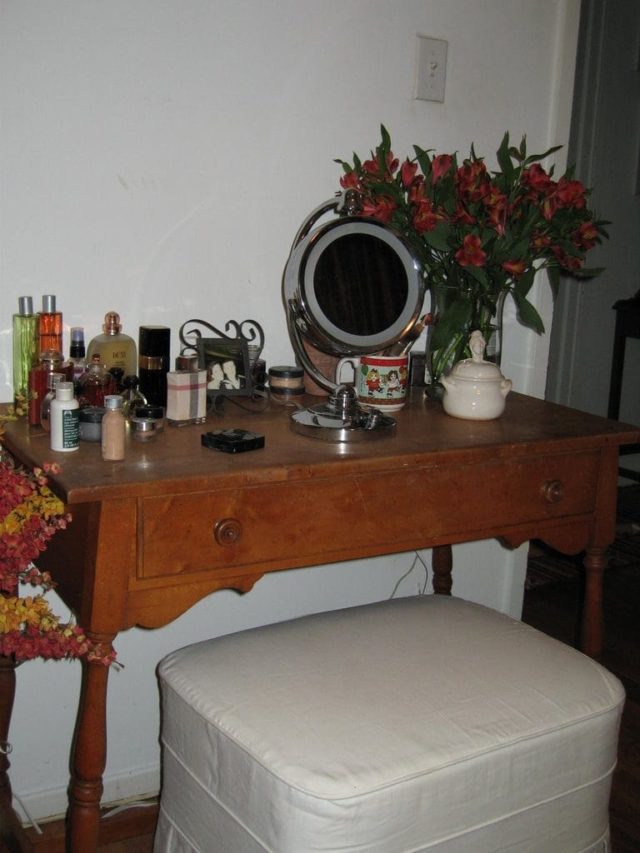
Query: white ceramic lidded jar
x=475 y=389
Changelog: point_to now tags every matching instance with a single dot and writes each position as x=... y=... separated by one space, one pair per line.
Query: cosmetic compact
x=286 y=380
x=90 y=423
x=144 y=429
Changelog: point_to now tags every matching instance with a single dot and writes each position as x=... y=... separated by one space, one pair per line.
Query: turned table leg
x=88 y=758
x=7 y=695
x=592 y=630
x=442 y=563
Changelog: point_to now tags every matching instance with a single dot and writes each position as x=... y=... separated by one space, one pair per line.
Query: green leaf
x=386 y=139
x=424 y=161
x=478 y=273
x=535 y=158
x=504 y=159
x=439 y=237
x=527 y=314
x=587 y=272
x=456 y=317
x=523 y=285
x=554 y=279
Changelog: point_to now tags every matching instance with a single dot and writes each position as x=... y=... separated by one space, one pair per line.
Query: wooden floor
x=552 y=606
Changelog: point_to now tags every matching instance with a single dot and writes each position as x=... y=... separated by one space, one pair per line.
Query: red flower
x=514 y=268
x=496 y=204
x=408 y=172
x=380 y=208
x=463 y=217
x=570 y=194
x=372 y=167
x=440 y=166
x=567 y=262
x=585 y=237
x=471 y=180
x=350 y=181
x=536 y=178
x=471 y=253
x=425 y=218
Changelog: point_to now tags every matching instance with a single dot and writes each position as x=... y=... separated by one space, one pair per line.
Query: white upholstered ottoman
x=417 y=724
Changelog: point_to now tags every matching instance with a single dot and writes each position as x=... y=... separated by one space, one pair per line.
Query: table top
x=424 y=435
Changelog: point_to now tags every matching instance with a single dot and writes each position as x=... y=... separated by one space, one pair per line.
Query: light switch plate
x=431 y=69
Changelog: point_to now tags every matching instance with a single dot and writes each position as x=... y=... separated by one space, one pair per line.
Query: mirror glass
x=353 y=287
x=346 y=282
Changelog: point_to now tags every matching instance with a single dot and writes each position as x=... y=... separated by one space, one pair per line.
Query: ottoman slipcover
x=425 y=723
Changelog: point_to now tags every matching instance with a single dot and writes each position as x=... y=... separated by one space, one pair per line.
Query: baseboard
x=51 y=804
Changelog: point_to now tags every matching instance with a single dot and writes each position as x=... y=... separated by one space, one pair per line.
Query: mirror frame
x=305 y=317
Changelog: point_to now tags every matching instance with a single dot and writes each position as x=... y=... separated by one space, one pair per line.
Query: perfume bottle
x=114 y=348
x=51 y=361
x=95 y=383
x=77 y=352
x=154 y=344
x=132 y=396
x=50 y=325
x=25 y=346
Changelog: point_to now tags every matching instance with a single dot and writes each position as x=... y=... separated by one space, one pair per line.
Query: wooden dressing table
x=190 y=521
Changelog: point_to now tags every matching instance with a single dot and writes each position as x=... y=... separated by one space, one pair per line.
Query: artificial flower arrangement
x=30 y=514
x=478 y=234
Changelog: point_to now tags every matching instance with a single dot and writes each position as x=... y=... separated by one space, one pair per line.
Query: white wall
x=157 y=158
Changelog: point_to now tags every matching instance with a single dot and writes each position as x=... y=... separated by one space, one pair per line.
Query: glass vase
x=457 y=310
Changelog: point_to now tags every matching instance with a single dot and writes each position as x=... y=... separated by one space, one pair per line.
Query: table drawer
x=305 y=522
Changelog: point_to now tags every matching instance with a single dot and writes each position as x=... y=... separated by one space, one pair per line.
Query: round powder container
x=90 y=423
x=150 y=413
x=144 y=429
x=286 y=380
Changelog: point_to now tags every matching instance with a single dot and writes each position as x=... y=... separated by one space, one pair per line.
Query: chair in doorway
x=627 y=326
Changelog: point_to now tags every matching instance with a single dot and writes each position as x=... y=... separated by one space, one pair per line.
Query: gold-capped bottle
x=114 y=347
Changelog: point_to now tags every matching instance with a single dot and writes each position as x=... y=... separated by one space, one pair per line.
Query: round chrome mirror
x=351 y=287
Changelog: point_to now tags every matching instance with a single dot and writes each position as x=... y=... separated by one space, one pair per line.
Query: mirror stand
x=352 y=286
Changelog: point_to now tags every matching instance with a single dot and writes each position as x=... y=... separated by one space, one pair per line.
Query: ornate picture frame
x=226 y=361
x=234 y=349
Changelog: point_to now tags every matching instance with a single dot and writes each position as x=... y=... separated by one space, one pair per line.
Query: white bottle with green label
x=65 y=431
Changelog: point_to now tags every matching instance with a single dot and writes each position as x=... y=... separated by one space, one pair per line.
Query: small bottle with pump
x=65 y=432
x=113 y=429
x=114 y=347
x=77 y=352
x=25 y=346
x=50 y=325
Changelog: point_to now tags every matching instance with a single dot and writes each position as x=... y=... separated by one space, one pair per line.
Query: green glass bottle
x=25 y=346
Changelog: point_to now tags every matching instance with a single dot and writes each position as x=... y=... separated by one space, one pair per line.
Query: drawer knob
x=553 y=491
x=227 y=531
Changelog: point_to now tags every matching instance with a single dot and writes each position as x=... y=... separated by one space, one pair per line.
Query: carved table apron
x=190 y=521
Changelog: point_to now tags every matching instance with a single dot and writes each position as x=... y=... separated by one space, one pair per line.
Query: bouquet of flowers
x=30 y=514
x=479 y=234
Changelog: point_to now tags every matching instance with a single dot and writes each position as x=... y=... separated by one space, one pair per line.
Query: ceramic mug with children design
x=380 y=380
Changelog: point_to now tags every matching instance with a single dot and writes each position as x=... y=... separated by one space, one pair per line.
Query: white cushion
x=427 y=723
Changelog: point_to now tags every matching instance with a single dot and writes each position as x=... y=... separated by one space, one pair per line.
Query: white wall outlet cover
x=431 y=69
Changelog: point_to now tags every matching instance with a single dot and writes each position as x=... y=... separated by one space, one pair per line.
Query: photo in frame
x=226 y=361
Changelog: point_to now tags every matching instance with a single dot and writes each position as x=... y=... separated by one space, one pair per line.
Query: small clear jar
x=45 y=405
